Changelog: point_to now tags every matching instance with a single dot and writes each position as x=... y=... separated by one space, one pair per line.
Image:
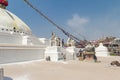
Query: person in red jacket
x=3 y=3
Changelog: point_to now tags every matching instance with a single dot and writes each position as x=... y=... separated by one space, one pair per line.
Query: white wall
x=6 y=38
x=19 y=54
x=55 y=53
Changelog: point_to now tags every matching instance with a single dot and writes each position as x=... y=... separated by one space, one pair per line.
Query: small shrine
x=102 y=51
x=70 y=42
x=55 y=40
x=54 y=52
x=89 y=53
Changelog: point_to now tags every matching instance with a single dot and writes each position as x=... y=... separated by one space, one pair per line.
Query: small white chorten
x=101 y=51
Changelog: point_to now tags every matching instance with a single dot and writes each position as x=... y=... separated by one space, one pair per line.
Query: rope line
x=52 y=22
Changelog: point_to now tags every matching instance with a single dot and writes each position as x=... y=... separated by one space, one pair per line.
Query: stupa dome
x=10 y=22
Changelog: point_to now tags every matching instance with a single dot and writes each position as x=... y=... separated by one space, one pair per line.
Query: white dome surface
x=10 y=22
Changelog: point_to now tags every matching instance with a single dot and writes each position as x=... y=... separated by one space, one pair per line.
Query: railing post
x=1 y=73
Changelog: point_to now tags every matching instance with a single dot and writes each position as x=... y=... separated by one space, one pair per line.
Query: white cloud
x=77 y=21
x=77 y=25
x=102 y=25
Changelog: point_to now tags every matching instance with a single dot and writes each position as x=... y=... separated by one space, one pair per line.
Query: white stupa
x=17 y=43
x=101 y=51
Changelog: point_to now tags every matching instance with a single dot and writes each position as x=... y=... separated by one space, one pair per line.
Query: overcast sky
x=90 y=19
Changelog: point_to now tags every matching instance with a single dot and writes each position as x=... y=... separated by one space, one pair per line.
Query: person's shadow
x=7 y=78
